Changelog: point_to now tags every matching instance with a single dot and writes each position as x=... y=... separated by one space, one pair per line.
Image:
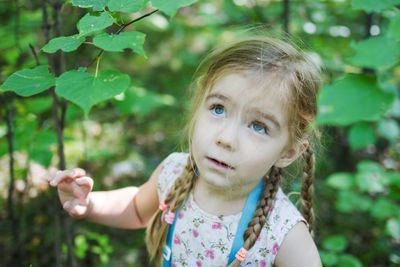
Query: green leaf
x=38 y=105
x=348 y=261
x=97 y=5
x=118 y=42
x=65 y=43
x=393 y=228
x=368 y=53
x=361 y=135
x=329 y=258
x=86 y=90
x=389 y=129
x=335 y=243
x=90 y=24
x=344 y=181
x=141 y=102
x=384 y=209
x=127 y=6
x=374 y=5
x=351 y=99
x=29 y=82
x=348 y=201
x=170 y=7
x=394 y=28
x=370 y=177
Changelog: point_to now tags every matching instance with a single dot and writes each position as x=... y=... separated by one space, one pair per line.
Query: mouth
x=220 y=163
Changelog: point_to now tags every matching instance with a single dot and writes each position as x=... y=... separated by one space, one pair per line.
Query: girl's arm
x=298 y=249
x=129 y=207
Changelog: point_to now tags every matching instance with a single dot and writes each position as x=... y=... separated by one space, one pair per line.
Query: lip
x=219 y=163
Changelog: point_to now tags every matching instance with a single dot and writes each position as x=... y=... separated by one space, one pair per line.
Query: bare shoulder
x=298 y=249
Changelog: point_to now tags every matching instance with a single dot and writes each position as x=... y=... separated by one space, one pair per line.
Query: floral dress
x=202 y=239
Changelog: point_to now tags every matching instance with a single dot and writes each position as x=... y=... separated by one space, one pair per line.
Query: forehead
x=249 y=91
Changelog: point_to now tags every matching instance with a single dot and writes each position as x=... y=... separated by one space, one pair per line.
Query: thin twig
x=34 y=54
x=120 y=30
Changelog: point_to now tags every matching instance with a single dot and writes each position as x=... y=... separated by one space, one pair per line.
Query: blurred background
x=357 y=187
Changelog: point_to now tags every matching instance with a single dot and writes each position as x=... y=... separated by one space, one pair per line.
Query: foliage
x=125 y=85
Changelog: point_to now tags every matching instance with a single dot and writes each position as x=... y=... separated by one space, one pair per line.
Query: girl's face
x=240 y=132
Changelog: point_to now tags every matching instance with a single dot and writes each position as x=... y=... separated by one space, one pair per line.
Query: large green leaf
x=128 y=6
x=90 y=24
x=348 y=261
x=374 y=5
x=65 y=43
x=118 y=42
x=337 y=243
x=371 y=177
x=29 y=82
x=97 y=5
x=170 y=7
x=375 y=52
x=351 y=99
x=361 y=135
x=341 y=180
x=389 y=129
x=86 y=90
x=394 y=27
x=141 y=102
x=384 y=209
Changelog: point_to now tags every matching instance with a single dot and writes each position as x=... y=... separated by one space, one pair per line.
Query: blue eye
x=218 y=110
x=259 y=127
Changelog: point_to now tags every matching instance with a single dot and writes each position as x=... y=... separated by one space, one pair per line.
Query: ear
x=291 y=154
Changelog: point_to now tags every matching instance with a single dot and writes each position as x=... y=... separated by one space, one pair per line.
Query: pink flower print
x=210 y=254
x=173 y=265
x=263 y=263
x=275 y=249
x=162 y=167
x=216 y=226
x=176 y=170
x=177 y=240
x=195 y=233
x=199 y=264
x=180 y=215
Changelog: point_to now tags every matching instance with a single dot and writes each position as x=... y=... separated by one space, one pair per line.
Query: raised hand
x=73 y=190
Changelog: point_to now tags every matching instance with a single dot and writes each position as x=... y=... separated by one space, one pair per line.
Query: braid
x=157 y=230
x=307 y=187
x=264 y=207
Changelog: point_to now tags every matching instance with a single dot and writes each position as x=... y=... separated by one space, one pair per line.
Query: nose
x=227 y=137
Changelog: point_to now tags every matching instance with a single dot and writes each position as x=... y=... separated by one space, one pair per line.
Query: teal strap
x=247 y=214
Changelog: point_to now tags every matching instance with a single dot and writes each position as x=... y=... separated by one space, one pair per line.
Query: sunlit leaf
x=368 y=53
x=170 y=7
x=393 y=228
x=86 y=90
x=121 y=41
x=351 y=99
x=97 y=5
x=128 y=6
x=90 y=24
x=341 y=180
x=29 y=82
x=65 y=43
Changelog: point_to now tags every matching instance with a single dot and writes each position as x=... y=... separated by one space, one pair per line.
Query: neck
x=221 y=200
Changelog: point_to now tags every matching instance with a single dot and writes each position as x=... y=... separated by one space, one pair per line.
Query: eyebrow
x=267 y=116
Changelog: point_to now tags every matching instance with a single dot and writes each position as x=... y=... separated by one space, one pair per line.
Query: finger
x=75 y=208
x=67 y=174
x=85 y=181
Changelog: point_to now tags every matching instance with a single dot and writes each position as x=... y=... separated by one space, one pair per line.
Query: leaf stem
x=97 y=66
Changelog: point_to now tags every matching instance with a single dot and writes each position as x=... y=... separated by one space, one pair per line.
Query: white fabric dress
x=203 y=239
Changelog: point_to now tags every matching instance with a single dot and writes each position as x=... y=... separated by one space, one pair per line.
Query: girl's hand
x=73 y=190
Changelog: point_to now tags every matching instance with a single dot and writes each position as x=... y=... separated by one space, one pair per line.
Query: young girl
x=220 y=204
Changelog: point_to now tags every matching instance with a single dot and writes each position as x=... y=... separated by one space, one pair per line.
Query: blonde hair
x=299 y=79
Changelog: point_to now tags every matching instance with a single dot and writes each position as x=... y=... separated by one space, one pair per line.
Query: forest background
x=141 y=57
